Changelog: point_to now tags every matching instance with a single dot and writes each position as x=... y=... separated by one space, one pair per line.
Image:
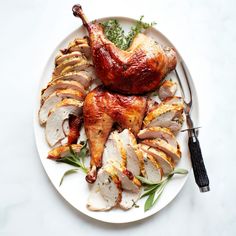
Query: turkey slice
x=153 y=171
x=106 y=191
x=82 y=77
x=167 y=89
x=161 y=144
x=82 y=65
x=128 y=181
x=80 y=45
x=62 y=151
x=165 y=115
x=91 y=72
x=130 y=185
x=56 y=97
x=151 y=105
x=84 y=48
x=162 y=159
x=174 y=101
x=64 y=57
x=129 y=199
x=61 y=84
x=133 y=156
x=54 y=126
x=113 y=152
x=76 y=42
x=96 y=202
x=67 y=63
x=158 y=132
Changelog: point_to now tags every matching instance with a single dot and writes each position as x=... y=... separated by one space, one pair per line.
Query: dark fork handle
x=199 y=169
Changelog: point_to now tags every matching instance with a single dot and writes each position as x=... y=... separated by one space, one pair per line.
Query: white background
x=205 y=34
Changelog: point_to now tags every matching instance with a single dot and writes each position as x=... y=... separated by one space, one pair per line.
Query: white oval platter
x=75 y=189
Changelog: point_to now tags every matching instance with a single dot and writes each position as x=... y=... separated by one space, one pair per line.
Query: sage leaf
x=149 y=202
x=145 y=181
x=68 y=172
x=180 y=171
x=149 y=191
x=159 y=193
x=156 y=189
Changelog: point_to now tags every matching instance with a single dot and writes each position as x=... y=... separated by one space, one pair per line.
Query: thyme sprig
x=115 y=33
x=154 y=190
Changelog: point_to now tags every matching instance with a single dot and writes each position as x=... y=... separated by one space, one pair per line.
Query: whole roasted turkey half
x=137 y=70
x=102 y=110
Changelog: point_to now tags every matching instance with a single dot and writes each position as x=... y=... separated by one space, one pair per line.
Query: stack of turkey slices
x=62 y=99
x=154 y=155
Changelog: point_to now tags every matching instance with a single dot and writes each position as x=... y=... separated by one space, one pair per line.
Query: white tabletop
x=205 y=34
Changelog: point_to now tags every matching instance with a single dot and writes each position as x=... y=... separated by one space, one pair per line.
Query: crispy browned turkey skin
x=135 y=71
x=102 y=109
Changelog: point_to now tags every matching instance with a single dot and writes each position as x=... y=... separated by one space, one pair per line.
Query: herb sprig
x=115 y=33
x=138 y=28
x=154 y=190
x=75 y=159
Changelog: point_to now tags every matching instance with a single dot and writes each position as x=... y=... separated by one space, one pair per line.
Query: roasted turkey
x=103 y=109
x=137 y=70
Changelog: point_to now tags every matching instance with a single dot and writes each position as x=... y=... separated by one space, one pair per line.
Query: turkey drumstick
x=102 y=109
x=137 y=70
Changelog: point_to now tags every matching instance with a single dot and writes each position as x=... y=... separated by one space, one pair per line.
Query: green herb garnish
x=154 y=190
x=115 y=33
x=75 y=159
x=68 y=172
x=138 y=28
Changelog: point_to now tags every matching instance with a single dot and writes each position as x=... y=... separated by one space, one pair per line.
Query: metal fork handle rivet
x=204 y=189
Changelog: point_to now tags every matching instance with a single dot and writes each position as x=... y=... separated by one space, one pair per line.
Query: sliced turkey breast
x=153 y=171
x=67 y=63
x=82 y=77
x=110 y=185
x=62 y=151
x=129 y=199
x=160 y=133
x=80 y=45
x=151 y=105
x=96 y=202
x=161 y=144
x=84 y=48
x=112 y=153
x=59 y=85
x=162 y=159
x=128 y=181
x=91 y=72
x=163 y=139
x=76 y=42
x=61 y=58
x=106 y=191
x=169 y=116
x=73 y=44
x=134 y=162
x=54 y=126
x=82 y=65
x=167 y=89
x=174 y=101
x=133 y=159
x=56 y=97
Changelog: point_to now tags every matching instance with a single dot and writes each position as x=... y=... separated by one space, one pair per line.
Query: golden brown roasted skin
x=102 y=109
x=137 y=70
